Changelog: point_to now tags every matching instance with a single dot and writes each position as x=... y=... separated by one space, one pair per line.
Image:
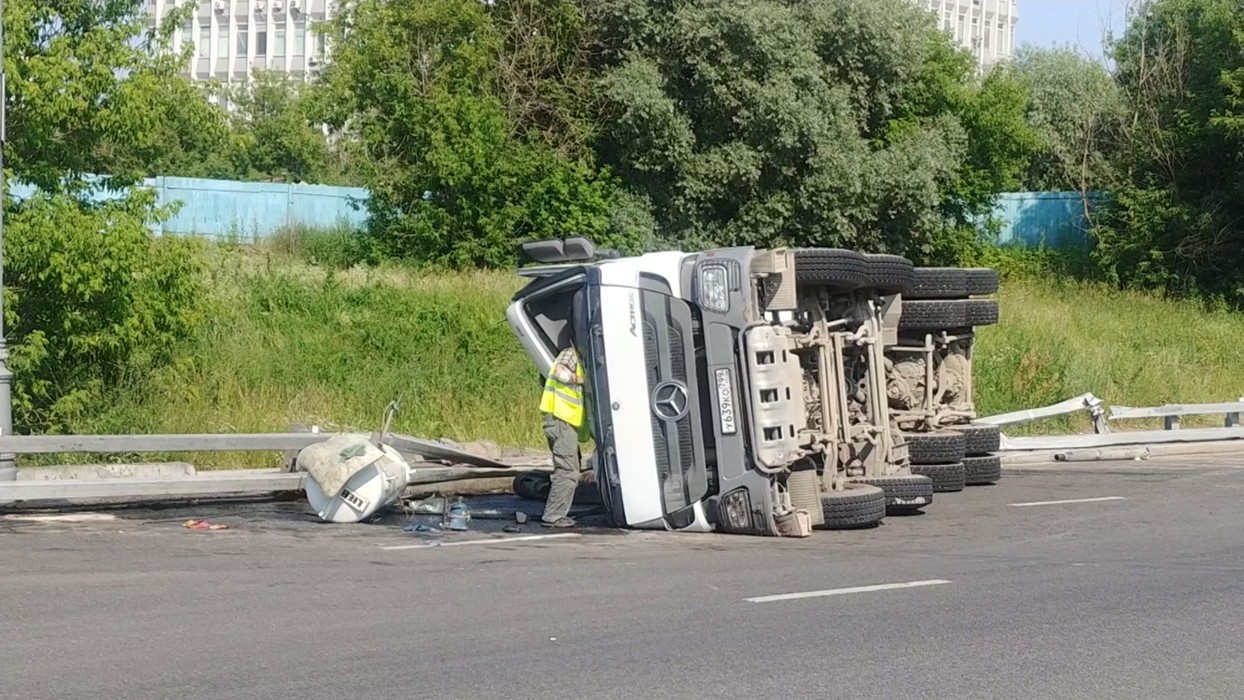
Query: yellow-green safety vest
x=564 y=401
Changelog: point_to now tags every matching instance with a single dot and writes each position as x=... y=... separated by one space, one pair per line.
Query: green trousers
x=564 y=444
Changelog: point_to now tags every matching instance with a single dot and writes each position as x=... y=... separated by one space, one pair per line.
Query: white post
x=8 y=464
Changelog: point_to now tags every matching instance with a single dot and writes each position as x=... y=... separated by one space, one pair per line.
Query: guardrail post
x=1170 y=422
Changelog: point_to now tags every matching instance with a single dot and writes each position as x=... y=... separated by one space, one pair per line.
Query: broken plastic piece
x=203 y=525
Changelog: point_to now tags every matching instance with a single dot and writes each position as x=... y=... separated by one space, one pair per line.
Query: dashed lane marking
x=846 y=591
x=490 y=540
x=1071 y=500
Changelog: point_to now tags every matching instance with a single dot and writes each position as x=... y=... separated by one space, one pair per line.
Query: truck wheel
x=979 y=438
x=889 y=274
x=932 y=315
x=938 y=283
x=532 y=486
x=905 y=494
x=938 y=447
x=980 y=312
x=981 y=281
x=982 y=470
x=856 y=507
x=946 y=477
x=831 y=267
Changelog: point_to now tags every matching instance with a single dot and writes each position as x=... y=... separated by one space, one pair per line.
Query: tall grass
x=1060 y=338
x=297 y=336
x=291 y=342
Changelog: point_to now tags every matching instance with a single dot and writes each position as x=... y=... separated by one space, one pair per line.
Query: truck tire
x=938 y=283
x=856 y=507
x=981 y=281
x=980 y=312
x=979 y=438
x=932 y=315
x=831 y=267
x=905 y=494
x=982 y=470
x=889 y=274
x=946 y=478
x=938 y=447
x=532 y=486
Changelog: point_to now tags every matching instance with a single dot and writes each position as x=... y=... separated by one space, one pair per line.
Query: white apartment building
x=232 y=38
x=985 y=27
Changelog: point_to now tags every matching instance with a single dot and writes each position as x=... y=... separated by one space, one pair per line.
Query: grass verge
x=291 y=341
x=1060 y=338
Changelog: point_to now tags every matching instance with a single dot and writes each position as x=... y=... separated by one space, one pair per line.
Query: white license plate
x=725 y=402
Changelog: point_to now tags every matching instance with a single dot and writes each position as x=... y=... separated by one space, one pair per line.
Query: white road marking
x=1072 y=500
x=492 y=540
x=63 y=517
x=845 y=591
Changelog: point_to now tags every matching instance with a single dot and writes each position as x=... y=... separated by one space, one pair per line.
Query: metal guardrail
x=240 y=442
x=208 y=484
x=466 y=464
x=1171 y=413
x=1083 y=402
x=1139 y=437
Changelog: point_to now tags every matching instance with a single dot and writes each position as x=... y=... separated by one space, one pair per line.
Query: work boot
x=562 y=522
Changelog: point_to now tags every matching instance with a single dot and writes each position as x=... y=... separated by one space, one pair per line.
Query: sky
x=1081 y=23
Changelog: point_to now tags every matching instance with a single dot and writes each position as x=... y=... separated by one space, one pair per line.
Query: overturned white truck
x=734 y=390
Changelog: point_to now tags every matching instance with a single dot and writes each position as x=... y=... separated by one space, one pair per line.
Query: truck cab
x=711 y=382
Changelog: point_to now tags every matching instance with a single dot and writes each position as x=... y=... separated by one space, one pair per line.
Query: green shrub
x=90 y=295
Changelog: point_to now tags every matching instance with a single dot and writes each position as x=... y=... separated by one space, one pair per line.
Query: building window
x=205 y=41
x=300 y=39
x=243 y=42
x=261 y=42
x=319 y=45
x=278 y=43
x=222 y=44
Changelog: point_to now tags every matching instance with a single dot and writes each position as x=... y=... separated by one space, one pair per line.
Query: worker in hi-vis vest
x=564 y=425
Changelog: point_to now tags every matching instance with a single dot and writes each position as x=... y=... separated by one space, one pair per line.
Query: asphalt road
x=1140 y=596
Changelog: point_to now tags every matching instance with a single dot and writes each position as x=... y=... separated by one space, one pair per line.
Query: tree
x=1075 y=108
x=275 y=133
x=804 y=123
x=461 y=169
x=89 y=293
x=92 y=91
x=1175 y=219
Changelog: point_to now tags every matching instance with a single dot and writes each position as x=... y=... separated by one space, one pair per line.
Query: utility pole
x=8 y=463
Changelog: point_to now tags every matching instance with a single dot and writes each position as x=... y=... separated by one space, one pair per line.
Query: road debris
x=352 y=477
x=203 y=525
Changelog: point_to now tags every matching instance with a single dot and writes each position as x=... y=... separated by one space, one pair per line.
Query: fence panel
x=322 y=206
x=248 y=211
x=1054 y=219
x=225 y=209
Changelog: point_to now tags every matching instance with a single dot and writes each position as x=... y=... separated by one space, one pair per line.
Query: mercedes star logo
x=669 y=400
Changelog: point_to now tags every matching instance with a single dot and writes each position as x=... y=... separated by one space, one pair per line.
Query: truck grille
x=667 y=331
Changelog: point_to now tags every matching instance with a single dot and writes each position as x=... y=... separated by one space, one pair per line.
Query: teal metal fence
x=226 y=209
x=1054 y=219
x=256 y=210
